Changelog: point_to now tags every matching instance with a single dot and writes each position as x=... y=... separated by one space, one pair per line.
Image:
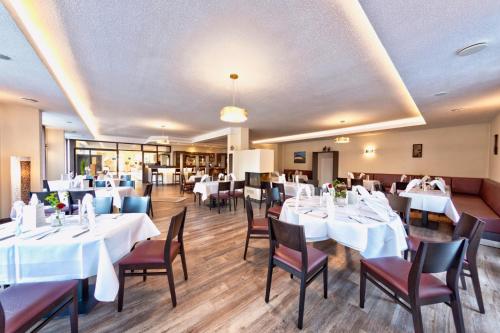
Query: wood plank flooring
x=224 y=293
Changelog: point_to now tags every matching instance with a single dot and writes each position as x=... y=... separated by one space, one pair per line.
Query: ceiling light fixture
x=471 y=49
x=5 y=57
x=342 y=121
x=232 y=113
x=161 y=139
x=30 y=99
x=455 y=110
x=441 y=93
x=342 y=139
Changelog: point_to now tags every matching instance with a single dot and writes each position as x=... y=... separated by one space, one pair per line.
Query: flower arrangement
x=340 y=189
x=57 y=205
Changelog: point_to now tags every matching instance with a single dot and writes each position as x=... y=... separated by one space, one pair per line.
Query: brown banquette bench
x=476 y=196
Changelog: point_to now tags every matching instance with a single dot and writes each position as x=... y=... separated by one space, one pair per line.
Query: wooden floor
x=226 y=294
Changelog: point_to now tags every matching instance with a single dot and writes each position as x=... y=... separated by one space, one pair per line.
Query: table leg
x=86 y=300
x=424 y=221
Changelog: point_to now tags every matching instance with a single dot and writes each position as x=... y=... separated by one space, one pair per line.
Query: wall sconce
x=369 y=150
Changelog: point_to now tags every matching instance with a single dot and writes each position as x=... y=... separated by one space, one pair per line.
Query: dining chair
x=256 y=227
x=135 y=205
x=184 y=185
x=157 y=255
x=101 y=183
x=263 y=190
x=281 y=188
x=401 y=186
x=238 y=192
x=197 y=180
x=288 y=251
x=45 y=185
x=74 y=196
x=222 y=195
x=356 y=182
x=103 y=205
x=273 y=202
x=414 y=283
x=126 y=177
x=148 y=190
x=23 y=306
x=129 y=183
x=470 y=228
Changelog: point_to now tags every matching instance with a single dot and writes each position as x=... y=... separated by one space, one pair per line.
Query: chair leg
x=246 y=246
x=121 y=291
x=218 y=205
x=151 y=208
x=362 y=287
x=405 y=254
x=456 y=308
x=462 y=280
x=417 y=318
x=269 y=279
x=302 y=300
x=325 y=280
x=73 y=312
x=144 y=277
x=171 y=285
x=291 y=276
x=184 y=266
x=477 y=286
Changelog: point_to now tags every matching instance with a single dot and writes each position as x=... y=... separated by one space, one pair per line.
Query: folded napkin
x=361 y=190
x=442 y=180
x=361 y=175
x=33 y=200
x=352 y=197
x=87 y=206
x=413 y=183
x=350 y=175
x=282 y=179
x=425 y=179
x=439 y=184
x=17 y=209
x=403 y=178
x=379 y=195
x=376 y=209
x=204 y=178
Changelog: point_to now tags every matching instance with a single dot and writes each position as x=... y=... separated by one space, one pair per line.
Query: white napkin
x=350 y=175
x=439 y=184
x=442 y=180
x=413 y=183
x=203 y=178
x=17 y=209
x=282 y=179
x=88 y=206
x=221 y=176
x=403 y=178
x=376 y=209
x=361 y=190
x=352 y=197
x=361 y=175
x=33 y=200
x=425 y=179
x=379 y=195
x=307 y=189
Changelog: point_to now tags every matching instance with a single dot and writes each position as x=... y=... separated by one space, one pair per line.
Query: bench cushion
x=462 y=185
x=477 y=207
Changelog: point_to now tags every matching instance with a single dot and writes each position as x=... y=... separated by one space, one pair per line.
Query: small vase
x=341 y=201
x=57 y=218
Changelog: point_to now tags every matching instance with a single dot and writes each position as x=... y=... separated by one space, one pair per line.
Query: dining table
x=434 y=201
x=347 y=225
x=73 y=251
x=208 y=187
x=117 y=192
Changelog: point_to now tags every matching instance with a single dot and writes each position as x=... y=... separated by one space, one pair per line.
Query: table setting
x=364 y=222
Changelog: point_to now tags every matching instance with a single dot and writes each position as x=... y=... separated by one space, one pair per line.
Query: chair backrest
x=103 y=205
x=129 y=183
x=249 y=208
x=471 y=228
x=289 y=235
x=224 y=186
x=197 y=179
x=342 y=180
x=175 y=230
x=135 y=205
x=100 y=183
x=43 y=195
x=400 y=205
x=273 y=196
x=356 y=182
x=239 y=184
x=401 y=185
x=74 y=196
x=46 y=186
x=264 y=185
x=434 y=257
x=126 y=177
x=148 y=189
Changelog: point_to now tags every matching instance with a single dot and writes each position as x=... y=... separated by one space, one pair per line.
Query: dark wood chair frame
x=69 y=300
x=263 y=191
x=216 y=199
x=431 y=258
x=74 y=196
x=273 y=198
x=238 y=185
x=293 y=237
x=251 y=233
x=176 y=229
x=148 y=190
x=281 y=188
x=184 y=185
x=402 y=206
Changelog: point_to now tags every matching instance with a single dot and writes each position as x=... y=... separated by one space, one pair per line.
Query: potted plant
x=58 y=217
x=340 y=192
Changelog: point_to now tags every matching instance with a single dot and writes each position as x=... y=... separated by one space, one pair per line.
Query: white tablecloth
x=59 y=185
x=118 y=193
x=60 y=257
x=291 y=188
x=371 y=238
x=434 y=201
x=207 y=188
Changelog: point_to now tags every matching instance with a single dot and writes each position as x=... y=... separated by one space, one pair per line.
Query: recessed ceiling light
x=456 y=110
x=30 y=99
x=441 y=93
x=342 y=121
x=471 y=49
x=5 y=57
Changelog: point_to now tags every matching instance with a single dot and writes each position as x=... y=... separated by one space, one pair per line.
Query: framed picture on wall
x=299 y=157
x=417 y=150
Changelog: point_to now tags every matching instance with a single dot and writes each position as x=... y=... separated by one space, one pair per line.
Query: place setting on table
x=430 y=195
x=34 y=248
x=357 y=219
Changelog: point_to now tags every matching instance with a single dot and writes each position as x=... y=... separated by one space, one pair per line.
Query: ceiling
x=303 y=66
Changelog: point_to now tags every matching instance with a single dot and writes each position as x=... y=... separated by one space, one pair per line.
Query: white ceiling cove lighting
x=233 y=114
x=160 y=139
x=471 y=49
x=342 y=139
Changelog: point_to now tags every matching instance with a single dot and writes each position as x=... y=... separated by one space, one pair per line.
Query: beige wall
x=20 y=135
x=495 y=159
x=55 y=153
x=278 y=157
x=449 y=151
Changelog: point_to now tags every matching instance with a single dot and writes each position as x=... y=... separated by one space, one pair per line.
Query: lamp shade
x=233 y=114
